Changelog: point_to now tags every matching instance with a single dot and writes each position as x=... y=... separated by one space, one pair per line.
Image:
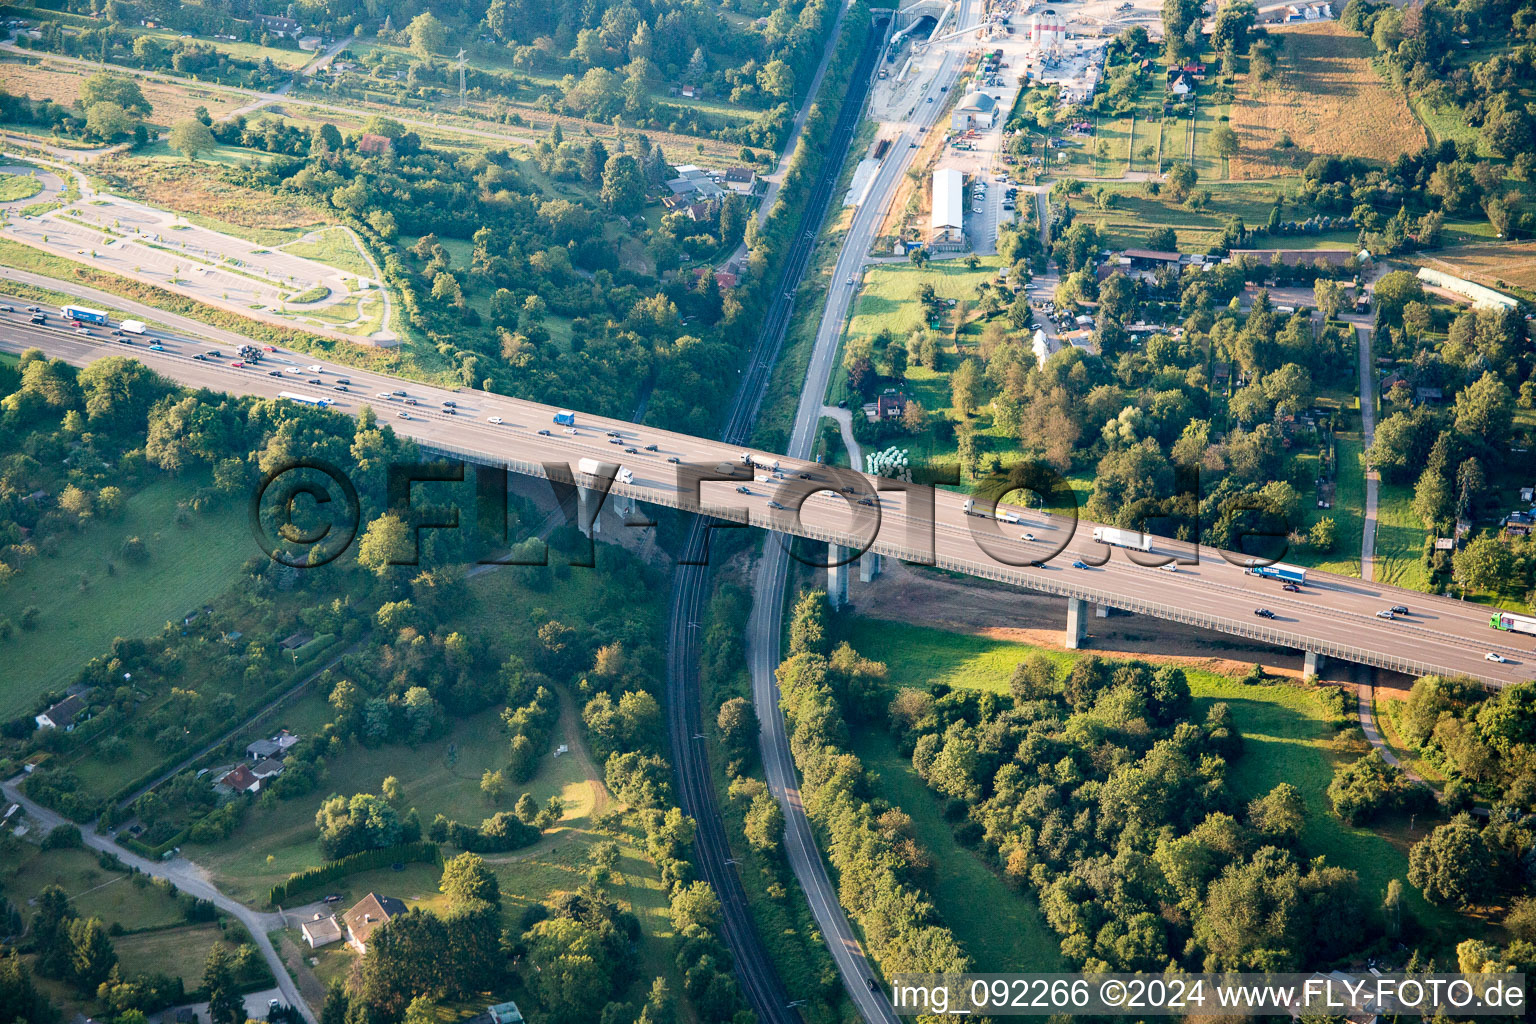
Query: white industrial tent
x=948 y=204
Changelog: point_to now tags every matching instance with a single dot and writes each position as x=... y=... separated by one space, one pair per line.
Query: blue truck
x=85 y=314
x=1280 y=571
x=565 y=418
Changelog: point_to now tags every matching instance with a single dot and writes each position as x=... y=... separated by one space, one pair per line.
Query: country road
x=190 y=879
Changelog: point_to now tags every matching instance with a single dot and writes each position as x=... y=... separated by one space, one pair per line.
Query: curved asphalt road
x=189 y=878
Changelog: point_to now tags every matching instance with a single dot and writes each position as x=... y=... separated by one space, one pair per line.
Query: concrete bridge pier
x=1077 y=625
x=869 y=566
x=837 y=575
x=588 y=511
x=1312 y=664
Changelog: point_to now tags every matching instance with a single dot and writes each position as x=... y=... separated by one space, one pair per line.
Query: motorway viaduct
x=1333 y=616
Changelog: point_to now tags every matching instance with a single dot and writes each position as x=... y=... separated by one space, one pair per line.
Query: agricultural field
x=62 y=83
x=84 y=605
x=1287 y=737
x=1327 y=98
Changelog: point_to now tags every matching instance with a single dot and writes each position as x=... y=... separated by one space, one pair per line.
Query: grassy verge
x=1399 y=539
x=334 y=247
x=1011 y=935
x=16 y=187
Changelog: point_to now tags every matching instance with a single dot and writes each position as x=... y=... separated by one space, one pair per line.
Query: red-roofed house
x=241 y=780
x=372 y=144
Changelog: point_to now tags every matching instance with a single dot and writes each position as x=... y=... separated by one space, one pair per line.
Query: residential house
x=891 y=404
x=684 y=185
x=1340 y=990
x=1425 y=396
x=277 y=26
x=284 y=739
x=1519 y=524
x=1180 y=84
x=267 y=769
x=240 y=780
x=690 y=92
x=370 y=912
x=323 y=930
x=370 y=144
x=1151 y=259
x=741 y=179
x=260 y=750
x=701 y=211
x=504 y=1013
x=63 y=714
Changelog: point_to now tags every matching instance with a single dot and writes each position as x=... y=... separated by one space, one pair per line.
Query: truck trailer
x=1511 y=623
x=132 y=326
x=1122 y=538
x=84 y=314
x=1280 y=571
x=592 y=467
x=565 y=418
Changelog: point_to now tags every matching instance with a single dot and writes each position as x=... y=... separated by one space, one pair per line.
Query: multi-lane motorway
x=1333 y=615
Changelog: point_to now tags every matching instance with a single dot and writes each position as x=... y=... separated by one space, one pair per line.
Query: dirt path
x=577 y=748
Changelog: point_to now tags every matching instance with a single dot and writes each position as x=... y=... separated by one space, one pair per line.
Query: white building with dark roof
x=977 y=110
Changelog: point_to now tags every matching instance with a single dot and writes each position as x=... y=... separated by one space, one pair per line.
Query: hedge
x=367 y=860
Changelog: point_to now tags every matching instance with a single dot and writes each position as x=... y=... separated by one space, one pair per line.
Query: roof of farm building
x=978 y=101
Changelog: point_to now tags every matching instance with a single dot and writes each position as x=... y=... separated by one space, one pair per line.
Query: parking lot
x=157 y=247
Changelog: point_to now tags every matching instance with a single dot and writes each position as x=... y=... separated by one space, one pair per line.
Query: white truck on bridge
x=592 y=467
x=1122 y=538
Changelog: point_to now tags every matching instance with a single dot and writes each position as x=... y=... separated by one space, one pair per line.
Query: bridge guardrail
x=1015 y=576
